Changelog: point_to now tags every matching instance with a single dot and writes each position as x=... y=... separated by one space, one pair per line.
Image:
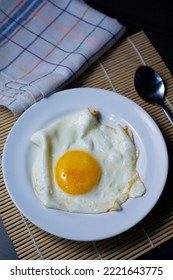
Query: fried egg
x=84 y=166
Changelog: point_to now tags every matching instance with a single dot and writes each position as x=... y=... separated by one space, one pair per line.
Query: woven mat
x=114 y=71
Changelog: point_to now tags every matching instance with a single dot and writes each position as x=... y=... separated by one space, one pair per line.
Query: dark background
x=155 y=18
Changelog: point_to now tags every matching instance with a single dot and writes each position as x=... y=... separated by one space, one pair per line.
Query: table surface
x=113 y=71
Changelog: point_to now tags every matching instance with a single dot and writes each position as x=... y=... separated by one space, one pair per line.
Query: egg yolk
x=77 y=172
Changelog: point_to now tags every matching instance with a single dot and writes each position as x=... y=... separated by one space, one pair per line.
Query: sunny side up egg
x=84 y=166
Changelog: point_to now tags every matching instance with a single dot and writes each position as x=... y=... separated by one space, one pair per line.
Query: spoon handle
x=168 y=113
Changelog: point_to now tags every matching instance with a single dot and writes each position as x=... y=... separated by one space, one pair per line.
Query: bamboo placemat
x=114 y=71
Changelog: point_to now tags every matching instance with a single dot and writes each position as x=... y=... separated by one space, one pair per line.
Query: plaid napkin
x=46 y=44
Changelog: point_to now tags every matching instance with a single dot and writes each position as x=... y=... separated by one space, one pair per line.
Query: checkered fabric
x=46 y=44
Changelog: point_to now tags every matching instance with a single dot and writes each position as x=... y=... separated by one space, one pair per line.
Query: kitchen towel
x=46 y=44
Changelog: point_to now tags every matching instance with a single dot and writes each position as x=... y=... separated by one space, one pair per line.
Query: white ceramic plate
x=152 y=164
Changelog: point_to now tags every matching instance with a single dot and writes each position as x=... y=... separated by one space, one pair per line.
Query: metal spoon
x=151 y=88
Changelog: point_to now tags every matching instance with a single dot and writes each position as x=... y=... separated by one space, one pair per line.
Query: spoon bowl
x=150 y=86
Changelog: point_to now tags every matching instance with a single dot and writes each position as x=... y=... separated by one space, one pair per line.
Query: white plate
x=115 y=108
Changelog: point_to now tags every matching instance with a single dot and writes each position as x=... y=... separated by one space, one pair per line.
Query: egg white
x=113 y=148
